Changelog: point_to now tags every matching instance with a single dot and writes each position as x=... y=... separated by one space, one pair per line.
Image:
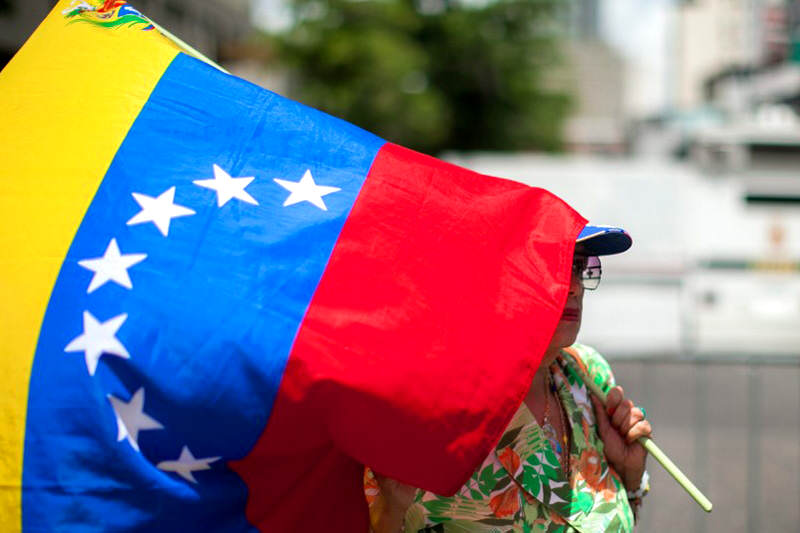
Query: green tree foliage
x=431 y=74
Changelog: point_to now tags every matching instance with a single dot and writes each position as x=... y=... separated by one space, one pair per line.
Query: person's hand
x=397 y=498
x=398 y=495
x=619 y=424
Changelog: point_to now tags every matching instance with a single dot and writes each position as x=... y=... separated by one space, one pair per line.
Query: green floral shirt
x=522 y=488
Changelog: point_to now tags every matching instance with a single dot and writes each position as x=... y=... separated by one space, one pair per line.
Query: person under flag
x=219 y=304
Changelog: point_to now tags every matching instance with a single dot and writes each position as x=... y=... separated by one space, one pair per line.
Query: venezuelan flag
x=218 y=304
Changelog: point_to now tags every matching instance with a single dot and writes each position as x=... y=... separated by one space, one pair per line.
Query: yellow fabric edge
x=67 y=101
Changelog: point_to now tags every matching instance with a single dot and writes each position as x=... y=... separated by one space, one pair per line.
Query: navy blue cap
x=603 y=240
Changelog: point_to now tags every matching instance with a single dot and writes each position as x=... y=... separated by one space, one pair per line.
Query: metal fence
x=734 y=428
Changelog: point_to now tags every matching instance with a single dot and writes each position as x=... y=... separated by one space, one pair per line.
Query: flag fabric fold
x=219 y=304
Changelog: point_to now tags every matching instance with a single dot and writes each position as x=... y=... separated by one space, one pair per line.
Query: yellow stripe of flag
x=59 y=130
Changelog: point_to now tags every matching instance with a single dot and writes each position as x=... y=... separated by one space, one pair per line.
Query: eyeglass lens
x=591 y=273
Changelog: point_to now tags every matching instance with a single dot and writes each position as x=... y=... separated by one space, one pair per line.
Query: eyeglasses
x=588 y=269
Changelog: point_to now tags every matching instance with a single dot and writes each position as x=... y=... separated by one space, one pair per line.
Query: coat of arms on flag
x=219 y=304
x=106 y=13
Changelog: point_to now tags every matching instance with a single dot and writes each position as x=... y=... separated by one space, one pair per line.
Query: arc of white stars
x=159 y=210
x=306 y=190
x=113 y=266
x=186 y=464
x=227 y=187
x=131 y=418
x=98 y=339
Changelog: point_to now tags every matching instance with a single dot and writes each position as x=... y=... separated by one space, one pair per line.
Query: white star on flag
x=228 y=187
x=98 y=339
x=131 y=418
x=113 y=266
x=160 y=210
x=186 y=464
x=306 y=190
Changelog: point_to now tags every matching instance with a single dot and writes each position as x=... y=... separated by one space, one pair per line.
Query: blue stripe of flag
x=211 y=315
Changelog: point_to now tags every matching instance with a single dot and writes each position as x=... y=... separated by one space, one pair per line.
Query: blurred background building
x=676 y=119
x=595 y=75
